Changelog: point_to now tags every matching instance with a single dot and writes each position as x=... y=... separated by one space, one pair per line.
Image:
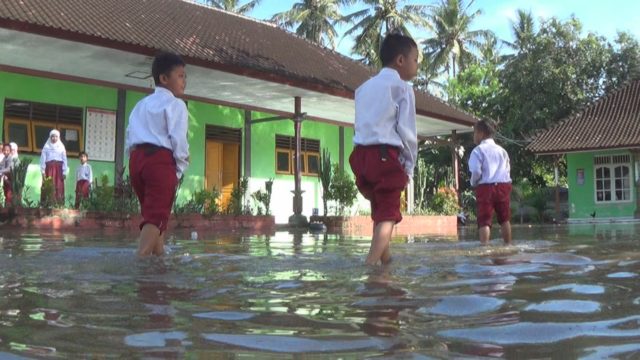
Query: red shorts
x=380 y=178
x=490 y=197
x=153 y=177
x=82 y=191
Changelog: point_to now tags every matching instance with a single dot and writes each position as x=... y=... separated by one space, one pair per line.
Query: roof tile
x=613 y=121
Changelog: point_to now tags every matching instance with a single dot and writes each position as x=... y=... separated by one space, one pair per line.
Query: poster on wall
x=580 y=177
x=100 y=139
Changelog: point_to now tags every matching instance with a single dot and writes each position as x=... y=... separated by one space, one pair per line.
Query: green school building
x=262 y=102
x=602 y=148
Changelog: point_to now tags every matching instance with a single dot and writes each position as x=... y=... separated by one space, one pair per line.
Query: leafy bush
x=19 y=175
x=47 y=193
x=236 y=205
x=108 y=198
x=263 y=198
x=202 y=202
x=343 y=190
x=445 y=202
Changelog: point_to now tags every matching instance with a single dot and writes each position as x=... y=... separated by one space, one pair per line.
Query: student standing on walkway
x=53 y=164
x=386 y=139
x=490 y=175
x=158 y=150
x=84 y=178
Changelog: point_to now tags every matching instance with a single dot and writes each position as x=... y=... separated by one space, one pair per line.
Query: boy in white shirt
x=158 y=149
x=490 y=176
x=84 y=178
x=386 y=145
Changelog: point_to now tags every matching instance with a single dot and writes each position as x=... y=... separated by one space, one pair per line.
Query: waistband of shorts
x=148 y=146
x=378 y=146
x=494 y=184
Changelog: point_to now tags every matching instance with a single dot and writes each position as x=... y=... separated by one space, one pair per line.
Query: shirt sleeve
x=43 y=161
x=90 y=175
x=65 y=168
x=177 y=125
x=406 y=129
x=475 y=166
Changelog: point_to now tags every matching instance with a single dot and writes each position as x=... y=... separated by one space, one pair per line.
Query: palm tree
x=234 y=6
x=380 y=18
x=524 y=31
x=313 y=19
x=450 y=47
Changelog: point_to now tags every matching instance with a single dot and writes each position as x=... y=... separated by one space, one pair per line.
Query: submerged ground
x=562 y=292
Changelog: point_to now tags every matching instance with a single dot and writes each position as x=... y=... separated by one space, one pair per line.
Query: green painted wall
x=31 y=88
x=582 y=197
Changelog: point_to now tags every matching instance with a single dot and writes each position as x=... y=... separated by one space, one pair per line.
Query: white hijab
x=57 y=146
x=14 y=149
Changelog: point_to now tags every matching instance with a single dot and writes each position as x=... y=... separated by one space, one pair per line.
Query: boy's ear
x=164 y=79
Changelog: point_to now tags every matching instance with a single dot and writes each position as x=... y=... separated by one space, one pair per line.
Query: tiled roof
x=611 y=122
x=205 y=37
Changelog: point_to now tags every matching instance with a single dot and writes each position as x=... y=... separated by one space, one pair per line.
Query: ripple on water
x=225 y=315
x=9 y=356
x=292 y=344
x=155 y=339
x=612 y=352
x=464 y=305
x=565 y=306
x=622 y=275
x=562 y=259
x=578 y=289
x=546 y=333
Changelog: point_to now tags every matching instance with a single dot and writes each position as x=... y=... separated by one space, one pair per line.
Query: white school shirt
x=489 y=164
x=386 y=114
x=161 y=119
x=84 y=172
x=49 y=154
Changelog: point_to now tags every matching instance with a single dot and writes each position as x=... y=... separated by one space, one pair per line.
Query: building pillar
x=247 y=143
x=636 y=164
x=341 y=147
x=120 y=133
x=556 y=173
x=297 y=219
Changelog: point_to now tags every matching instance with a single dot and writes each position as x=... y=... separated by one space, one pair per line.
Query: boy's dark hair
x=163 y=63
x=82 y=153
x=395 y=44
x=487 y=127
x=6 y=144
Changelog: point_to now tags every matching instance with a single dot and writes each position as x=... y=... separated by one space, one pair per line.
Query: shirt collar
x=163 y=90
x=488 y=141
x=390 y=71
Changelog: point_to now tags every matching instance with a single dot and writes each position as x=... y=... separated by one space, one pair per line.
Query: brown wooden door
x=222 y=169
x=213 y=168
x=230 y=163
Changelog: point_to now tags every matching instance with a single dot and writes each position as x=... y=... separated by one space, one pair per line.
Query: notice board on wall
x=100 y=140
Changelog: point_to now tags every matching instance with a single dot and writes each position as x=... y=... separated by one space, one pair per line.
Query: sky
x=605 y=18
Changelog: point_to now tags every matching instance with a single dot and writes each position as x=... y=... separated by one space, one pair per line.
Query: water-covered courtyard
x=561 y=292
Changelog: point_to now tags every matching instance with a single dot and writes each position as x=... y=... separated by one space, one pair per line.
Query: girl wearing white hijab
x=7 y=164
x=53 y=163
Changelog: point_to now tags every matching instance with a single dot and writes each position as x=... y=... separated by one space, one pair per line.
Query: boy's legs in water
x=484 y=232
x=505 y=228
x=150 y=241
x=379 y=250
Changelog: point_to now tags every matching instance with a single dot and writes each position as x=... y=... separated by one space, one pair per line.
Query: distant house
x=602 y=148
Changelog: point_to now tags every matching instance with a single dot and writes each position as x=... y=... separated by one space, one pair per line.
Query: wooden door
x=230 y=174
x=213 y=166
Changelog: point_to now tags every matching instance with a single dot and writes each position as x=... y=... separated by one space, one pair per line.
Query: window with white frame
x=612 y=178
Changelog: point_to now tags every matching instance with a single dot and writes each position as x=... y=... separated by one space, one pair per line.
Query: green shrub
x=343 y=190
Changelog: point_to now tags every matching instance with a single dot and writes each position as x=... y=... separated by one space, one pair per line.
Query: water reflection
x=562 y=292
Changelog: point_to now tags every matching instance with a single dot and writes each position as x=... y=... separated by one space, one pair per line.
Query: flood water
x=562 y=292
